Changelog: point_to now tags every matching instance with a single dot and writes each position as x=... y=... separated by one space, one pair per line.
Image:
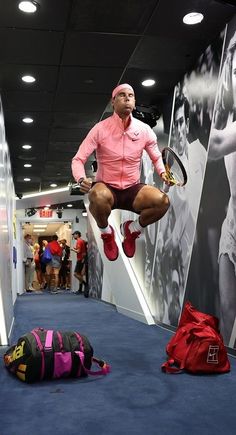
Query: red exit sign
x=45 y=213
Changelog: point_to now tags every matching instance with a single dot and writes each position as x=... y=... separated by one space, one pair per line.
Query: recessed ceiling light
x=27 y=179
x=27 y=165
x=53 y=185
x=28 y=79
x=47 y=205
x=27 y=120
x=148 y=82
x=69 y=205
x=28 y=6
x=193 y=18
x=39 y=230
x=40 y=225
x=26 y=147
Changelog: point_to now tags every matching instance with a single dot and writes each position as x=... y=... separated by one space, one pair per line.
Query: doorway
x=41 y=231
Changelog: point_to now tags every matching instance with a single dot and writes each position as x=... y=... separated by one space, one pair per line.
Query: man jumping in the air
x=119 y=142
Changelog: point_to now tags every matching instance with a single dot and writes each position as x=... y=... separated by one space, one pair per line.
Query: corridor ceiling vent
x=148 y=82
x=29 y=7
x=193 y=18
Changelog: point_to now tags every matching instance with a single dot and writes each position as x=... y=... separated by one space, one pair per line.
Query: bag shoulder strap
x=168 y=367
x=105 y=368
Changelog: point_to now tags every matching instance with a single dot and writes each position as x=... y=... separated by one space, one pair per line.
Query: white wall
x=122 y=284
x=7 y=237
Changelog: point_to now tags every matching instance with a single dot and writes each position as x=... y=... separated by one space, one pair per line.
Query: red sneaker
x=129 y=239
x=109 y=245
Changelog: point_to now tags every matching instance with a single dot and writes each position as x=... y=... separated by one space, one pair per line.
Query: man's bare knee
x=162 y=206
x=165 y=202
x=100 y=196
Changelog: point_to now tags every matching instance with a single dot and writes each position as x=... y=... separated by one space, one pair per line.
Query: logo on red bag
x=213 y=352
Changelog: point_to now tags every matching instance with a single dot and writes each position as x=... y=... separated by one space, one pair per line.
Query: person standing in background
x=80 y=268
x=53 y=267
x=28 y=260
x=64 y=274
x=36 y=249
x=43 y=245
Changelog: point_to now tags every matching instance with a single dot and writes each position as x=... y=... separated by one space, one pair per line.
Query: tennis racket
x=175 y=169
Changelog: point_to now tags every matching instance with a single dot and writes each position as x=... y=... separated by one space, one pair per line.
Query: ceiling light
x=40 y=225
x=46 y=192
x=53 y=185
x=28 y=79
x=27 y=120
x=28 y=6
x=27 y=179
x=148 y=82
x=47 y=205
x=27 y=165
x=69 y=205
x=26 y=147
x=193 y=18
x=84 y=213
x=39 y=230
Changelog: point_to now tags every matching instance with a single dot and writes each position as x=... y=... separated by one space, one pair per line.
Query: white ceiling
x=52 y=228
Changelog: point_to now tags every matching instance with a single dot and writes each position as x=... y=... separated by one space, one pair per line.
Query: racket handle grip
x=166 y=188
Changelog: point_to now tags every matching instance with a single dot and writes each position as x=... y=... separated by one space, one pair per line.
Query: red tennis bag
x=197 y=346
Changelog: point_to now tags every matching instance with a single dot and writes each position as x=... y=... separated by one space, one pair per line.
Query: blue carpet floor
x=135 y=398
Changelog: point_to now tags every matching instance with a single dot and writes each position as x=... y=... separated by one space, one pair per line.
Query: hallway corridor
x=135 y=398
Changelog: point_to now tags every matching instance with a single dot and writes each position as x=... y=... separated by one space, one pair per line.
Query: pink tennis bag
x=47 y=354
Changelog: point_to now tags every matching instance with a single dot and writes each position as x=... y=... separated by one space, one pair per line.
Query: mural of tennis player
x=223 y=145
x=176 y=229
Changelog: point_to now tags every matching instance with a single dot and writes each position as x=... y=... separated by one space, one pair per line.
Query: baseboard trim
x=135 y=315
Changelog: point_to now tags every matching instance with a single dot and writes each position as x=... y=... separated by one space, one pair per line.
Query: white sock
x=106 y=230
x=135 y=226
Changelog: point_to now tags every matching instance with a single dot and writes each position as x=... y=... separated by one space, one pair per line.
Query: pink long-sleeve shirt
x=118 y=151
